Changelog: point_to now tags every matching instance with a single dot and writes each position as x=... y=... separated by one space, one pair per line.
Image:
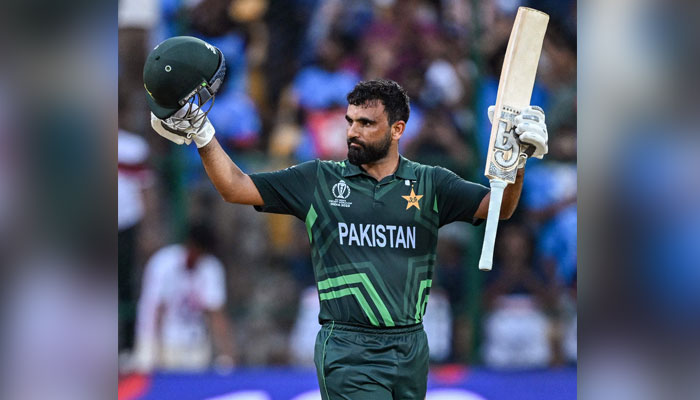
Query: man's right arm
x=233 y=185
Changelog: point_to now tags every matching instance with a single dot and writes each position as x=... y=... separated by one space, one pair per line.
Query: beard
x=368 y=153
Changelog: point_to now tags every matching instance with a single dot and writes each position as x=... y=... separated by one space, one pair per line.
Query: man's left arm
x=530 y=128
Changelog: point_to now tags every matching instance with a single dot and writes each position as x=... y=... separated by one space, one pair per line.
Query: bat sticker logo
x=505 y=142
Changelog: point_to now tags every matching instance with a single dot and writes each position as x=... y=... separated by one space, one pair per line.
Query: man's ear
x=397 y=129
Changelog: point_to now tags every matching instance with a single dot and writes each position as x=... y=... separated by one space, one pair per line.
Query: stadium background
x=290 y=64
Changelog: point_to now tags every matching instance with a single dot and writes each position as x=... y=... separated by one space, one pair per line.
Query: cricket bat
x=514 y=91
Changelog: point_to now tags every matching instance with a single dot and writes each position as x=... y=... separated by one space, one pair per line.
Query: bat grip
x=529 y=149
x=486 y=260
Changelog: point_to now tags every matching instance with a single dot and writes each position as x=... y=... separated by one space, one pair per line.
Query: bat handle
x=486 y=260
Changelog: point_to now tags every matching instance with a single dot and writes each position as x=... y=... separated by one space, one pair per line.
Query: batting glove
x=181 y=131
x=530 y=128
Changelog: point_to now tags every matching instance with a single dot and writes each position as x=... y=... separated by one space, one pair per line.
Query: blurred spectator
x=137 y=19
x=317 y=96
x=437 y=323
x=558 y=76
x=570 y=326
x=438 y=143
x=549 y=198
x=181 y=306
x=303 y=335
x=133 y=177
x=451 y=277
x=450 y=269
x=516 y=327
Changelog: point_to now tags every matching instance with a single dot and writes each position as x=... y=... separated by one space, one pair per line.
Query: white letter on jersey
x=342 y=230
x=381 y=239
x=391 y=229
x=353 y=235
x=364 y=234
x=399 y=237
x=411 y=236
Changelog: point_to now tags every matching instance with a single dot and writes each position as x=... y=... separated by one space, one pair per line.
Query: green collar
x=404 y=171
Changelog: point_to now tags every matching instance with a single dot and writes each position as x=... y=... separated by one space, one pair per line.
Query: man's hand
x=530 y=128
x=181 y=131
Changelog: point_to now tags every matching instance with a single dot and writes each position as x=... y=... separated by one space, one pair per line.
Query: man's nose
x=353 y=131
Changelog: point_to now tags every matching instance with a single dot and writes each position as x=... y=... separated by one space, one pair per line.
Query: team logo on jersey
x=341 y=191
x=413 y=199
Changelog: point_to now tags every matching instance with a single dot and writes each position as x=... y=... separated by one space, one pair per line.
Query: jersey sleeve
x=288 y=191
x=456 y=198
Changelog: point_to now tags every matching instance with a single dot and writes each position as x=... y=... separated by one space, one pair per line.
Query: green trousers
x=357 y=363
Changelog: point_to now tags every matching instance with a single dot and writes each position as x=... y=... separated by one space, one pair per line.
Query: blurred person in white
x=518 y=332
x=132 y=178
x=181 y=310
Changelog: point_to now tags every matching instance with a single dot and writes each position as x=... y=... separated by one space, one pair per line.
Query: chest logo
x=341 y=191
x=413 y=199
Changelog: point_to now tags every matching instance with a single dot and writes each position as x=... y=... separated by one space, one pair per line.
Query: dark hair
x=390 y=93
x=201 y=235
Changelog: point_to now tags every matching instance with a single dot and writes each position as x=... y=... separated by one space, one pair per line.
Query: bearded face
x=369 y=134
x=366 y=152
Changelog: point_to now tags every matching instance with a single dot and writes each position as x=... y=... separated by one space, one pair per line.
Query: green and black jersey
x=373 y=243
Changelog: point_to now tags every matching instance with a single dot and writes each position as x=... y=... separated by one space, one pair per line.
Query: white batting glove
x=162 y=128
x=181 y=132
x=531 y=129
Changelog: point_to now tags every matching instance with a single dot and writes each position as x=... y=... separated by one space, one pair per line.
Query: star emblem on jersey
x=413 y=199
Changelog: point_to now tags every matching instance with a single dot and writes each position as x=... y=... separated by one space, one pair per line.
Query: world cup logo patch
x=341 y=191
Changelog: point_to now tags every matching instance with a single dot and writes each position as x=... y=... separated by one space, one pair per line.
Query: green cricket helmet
x=182 y=70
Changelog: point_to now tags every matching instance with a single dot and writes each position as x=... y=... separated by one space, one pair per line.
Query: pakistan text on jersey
x=372 y=235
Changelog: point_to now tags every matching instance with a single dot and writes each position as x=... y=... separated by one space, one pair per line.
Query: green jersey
x=373 y=244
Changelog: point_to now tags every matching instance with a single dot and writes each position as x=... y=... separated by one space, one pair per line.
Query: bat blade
x=514 y=92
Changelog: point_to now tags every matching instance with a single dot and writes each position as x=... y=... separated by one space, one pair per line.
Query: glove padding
x=182 y=132
x=530 y=128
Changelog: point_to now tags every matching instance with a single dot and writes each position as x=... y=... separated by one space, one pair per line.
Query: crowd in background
x=290 y=65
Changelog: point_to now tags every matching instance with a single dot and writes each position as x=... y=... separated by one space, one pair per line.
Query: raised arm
x=233 y=185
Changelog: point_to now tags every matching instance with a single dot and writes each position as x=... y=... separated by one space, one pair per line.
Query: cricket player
x=372 y=219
